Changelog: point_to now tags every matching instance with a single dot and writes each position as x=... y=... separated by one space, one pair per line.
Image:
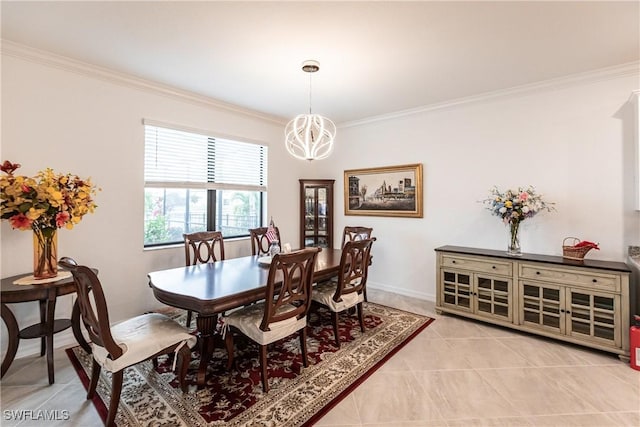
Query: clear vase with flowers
x=43 y=204
x=514 y=206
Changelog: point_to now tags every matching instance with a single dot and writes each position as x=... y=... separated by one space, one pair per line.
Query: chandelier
x=310 y=136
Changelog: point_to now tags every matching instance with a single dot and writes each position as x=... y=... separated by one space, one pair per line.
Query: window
x=196 y=182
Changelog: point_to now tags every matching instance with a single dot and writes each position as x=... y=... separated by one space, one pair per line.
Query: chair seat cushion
x=248 y=319
x=323 y=293
x=140 y=338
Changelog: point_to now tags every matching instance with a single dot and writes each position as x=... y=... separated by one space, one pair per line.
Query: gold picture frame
x=384 y=191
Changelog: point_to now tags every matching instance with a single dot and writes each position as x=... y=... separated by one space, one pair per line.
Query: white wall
x=574 y=144
x=93 y=127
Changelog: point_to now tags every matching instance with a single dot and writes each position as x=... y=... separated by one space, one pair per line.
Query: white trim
x=608 y=73
x=20 y=51
x=401 y=291
x=17 y=50
x=31 y=347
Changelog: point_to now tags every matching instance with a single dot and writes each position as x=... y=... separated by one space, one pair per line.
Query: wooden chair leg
x=116 y=389
x=361 y=317
x=95 y=376
x=334 y=319
x=184 y=358
x=303 y=346
x=228 y=341
x=263 y=368
x=155 y=362
x=189 y=313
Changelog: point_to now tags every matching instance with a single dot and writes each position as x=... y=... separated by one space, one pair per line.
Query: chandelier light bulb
x=310 y=136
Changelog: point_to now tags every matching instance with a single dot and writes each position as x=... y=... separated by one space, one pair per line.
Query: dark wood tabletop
x=213 y=288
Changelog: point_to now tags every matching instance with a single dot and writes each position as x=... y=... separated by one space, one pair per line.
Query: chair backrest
x=259 y=240
x=202 y=247
x=93 y=308
x=352 y=234
x=289 y=284
x=354 y=267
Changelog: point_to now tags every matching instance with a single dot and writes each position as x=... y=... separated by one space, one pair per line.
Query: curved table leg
x=43 y=321
x=13 y=338
x=51 y=311
x=206 y=328
x=75 y=327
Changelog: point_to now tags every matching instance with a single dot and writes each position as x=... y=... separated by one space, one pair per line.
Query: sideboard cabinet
x=582 y=302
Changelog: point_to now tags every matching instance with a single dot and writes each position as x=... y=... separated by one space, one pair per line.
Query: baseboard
x=31 y=347
x=66 y=339
x=402 y=291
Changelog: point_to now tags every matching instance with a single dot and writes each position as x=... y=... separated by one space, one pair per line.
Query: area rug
x=298 y=396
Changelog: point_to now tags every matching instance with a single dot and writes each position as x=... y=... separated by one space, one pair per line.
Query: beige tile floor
x=455 y=373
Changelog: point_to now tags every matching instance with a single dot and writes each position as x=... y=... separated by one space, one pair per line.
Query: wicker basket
x=571 y=252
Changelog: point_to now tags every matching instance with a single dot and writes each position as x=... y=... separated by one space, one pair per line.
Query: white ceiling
x=376 y=57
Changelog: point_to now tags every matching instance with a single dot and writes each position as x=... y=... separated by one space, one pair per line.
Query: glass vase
x=45 y=253
x=513 y=248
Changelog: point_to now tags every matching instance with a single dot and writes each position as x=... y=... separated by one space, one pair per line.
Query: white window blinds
x=176 y=158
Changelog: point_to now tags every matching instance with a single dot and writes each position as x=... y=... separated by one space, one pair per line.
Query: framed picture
x=385 y=191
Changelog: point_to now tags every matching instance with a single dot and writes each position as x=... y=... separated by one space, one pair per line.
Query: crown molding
x=20 y=51
x=49 y=59
x=608 y=73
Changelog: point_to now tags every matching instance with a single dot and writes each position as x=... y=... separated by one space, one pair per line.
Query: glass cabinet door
x=316 y=220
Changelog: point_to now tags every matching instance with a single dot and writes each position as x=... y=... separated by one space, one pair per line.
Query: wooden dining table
x=213 y=288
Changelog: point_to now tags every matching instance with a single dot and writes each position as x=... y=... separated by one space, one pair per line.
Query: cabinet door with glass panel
x=316 y=213
x=587 y=315
x=481 y=294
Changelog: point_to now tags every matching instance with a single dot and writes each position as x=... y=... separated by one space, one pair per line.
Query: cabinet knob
x=537 y=272
x=493 y=266
x=595 y=280
x=453 y=262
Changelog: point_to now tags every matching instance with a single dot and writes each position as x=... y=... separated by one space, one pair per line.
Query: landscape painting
x=384 y=191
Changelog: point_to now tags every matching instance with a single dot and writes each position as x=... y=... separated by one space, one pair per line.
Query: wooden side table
x=46 y=294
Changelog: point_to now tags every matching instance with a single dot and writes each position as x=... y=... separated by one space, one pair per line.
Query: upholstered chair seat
x=324 y=292
x=248 y=319
x=140 y=338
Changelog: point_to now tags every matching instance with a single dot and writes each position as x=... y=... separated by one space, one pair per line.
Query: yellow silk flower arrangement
x=44 y=203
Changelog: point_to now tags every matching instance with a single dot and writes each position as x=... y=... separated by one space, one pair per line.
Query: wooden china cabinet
x=316 y=213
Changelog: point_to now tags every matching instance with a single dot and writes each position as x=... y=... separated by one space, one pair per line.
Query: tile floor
x=455 y=373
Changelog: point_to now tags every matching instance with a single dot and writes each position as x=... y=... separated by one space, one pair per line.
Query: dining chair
x=127 y=343
x=202 y=247
x=354 y=233
x=347 y=290
x=283 y=311
x=259 y=240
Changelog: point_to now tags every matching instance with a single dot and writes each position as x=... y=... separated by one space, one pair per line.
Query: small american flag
x=271 y=232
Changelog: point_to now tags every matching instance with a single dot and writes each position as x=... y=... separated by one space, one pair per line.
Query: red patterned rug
x=298 y=395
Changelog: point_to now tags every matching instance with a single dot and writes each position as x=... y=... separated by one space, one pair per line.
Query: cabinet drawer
x=477 y=265
x=593 y=280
